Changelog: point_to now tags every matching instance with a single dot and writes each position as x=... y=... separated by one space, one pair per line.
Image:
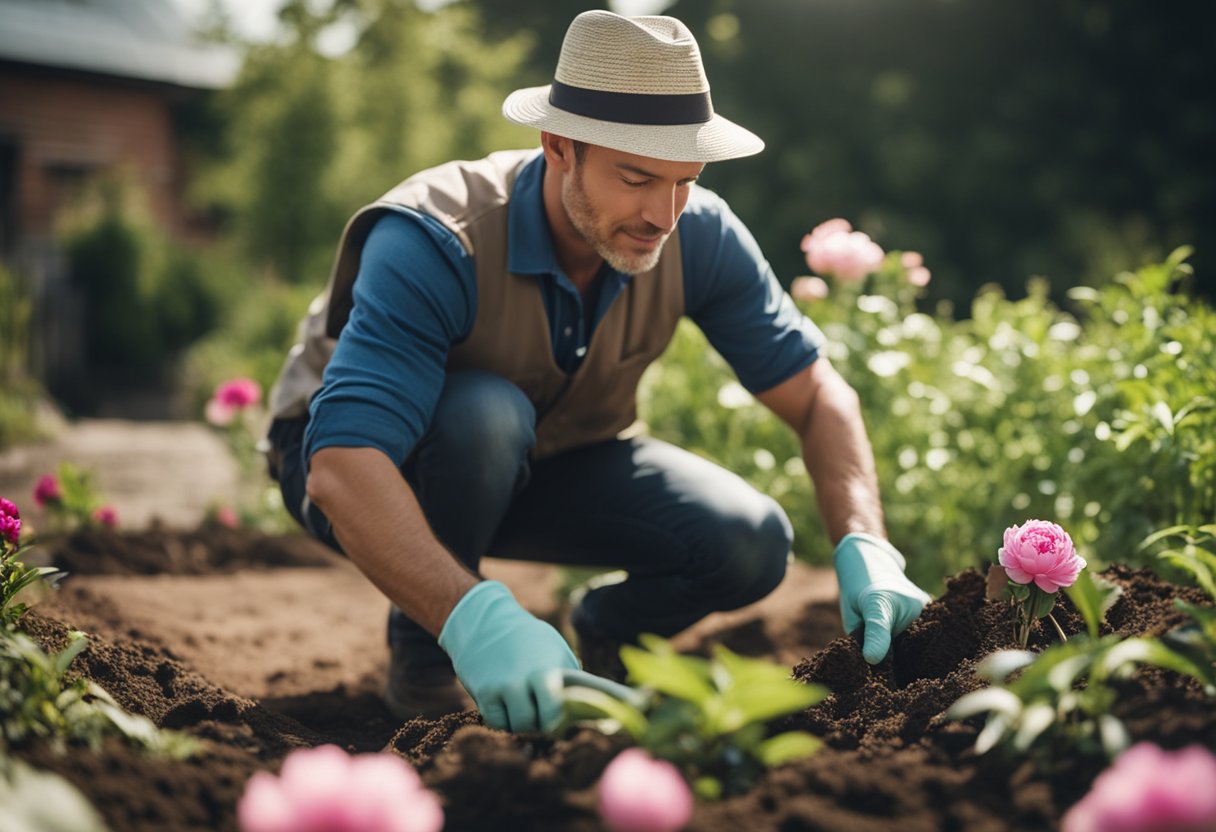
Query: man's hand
x=509 y=661
x=875 y=592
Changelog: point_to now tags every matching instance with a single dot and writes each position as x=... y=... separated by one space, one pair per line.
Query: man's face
x=626 y=206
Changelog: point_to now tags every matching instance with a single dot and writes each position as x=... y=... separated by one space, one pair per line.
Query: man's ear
x=559 y=151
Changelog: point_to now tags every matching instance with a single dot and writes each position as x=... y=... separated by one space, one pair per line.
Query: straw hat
x=634 y=84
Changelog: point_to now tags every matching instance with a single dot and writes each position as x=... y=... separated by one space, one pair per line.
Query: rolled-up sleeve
x=734 y=297
x=414 y=296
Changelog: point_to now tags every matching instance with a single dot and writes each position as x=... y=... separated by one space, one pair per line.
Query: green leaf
x=1035 y=719
x=77 y=641
x=1113 y=735
x=997 y=699
x=782 y=748
x=582 y=703
x=999 y=666
x=994 y=731
x=761 y=701
x=1093 y=598
x=684 y=677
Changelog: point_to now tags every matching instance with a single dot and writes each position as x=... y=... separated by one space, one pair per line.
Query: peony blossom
x=230 y=398
x=834 y=248
x=10 y=522
x=239 y=393
x=1041 y=552
x=106 y=516
x=808 y=288
x=47 y=491
x=1150 y=790
x=641 y=794
x=324 y=789
x=913 y=264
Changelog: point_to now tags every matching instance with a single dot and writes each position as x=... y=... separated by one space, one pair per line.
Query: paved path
x=149 y=471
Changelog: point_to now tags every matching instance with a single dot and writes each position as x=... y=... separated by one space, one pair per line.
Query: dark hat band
x=632 y=108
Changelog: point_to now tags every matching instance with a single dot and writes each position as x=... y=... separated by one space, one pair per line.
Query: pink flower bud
x=1041 y=552
x=47 y=491
x=641 y=794
x=106 y=516
x=808 y=289
x=226 y=516
x=911 y=260
x=1150 y=790
x=919 y=276
x=326 y=790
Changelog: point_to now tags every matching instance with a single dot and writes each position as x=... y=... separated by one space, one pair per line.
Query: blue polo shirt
x=416 y=295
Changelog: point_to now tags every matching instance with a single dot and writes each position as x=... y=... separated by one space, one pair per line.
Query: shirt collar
x=529 y=242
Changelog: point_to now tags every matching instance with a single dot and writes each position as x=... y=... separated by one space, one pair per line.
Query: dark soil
x=891 y=760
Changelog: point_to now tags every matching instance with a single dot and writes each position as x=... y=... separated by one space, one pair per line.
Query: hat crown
x=653 y=55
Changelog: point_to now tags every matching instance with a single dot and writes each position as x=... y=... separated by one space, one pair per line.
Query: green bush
x=1100 y=420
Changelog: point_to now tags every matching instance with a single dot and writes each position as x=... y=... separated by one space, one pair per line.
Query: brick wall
x=67 y=127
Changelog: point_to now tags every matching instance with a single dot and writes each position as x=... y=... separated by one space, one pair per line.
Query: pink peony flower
x=106 y=516
x=1150 y=790
x=833 y=248
x=1041 y=552
x=10 y=522
x=47 y=491
x=641 y=794
x=230 y=398
x=808 y=289
x=324 y=789
x=239 y=393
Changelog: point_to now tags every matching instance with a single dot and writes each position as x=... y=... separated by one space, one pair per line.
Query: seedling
x=1064 y=695
x=707 y=716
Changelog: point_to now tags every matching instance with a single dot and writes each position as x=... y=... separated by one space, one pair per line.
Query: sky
x=256 y=19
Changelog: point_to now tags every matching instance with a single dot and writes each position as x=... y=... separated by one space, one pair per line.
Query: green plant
x=707 y=716
x=1063 y=699
x=1194 y=555
x=43 y=801
x=36 y=702
x=71 y=500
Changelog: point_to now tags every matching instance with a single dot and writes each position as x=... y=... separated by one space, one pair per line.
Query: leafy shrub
x=1022 y=410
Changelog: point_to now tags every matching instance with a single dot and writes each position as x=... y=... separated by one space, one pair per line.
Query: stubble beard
x=584 y=217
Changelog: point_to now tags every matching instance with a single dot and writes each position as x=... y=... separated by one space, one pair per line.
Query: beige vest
x=511 y=334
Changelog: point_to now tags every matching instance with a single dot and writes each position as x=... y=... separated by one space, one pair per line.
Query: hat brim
x=715 y=140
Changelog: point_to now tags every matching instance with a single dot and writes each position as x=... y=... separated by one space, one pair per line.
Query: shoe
x=600 y=655
x=427 y=692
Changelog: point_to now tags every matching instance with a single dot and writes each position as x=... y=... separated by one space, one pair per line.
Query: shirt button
x=568 y=331
x=580 y=352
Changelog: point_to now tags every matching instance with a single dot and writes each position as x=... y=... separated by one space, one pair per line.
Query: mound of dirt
x=891 y=760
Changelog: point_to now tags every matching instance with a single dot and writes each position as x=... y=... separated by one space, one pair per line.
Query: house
x=89 y=87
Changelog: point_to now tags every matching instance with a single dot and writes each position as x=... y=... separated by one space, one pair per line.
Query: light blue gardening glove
x=874 y=592
x=508 y=660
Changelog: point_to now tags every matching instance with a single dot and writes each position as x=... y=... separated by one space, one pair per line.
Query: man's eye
x=633 y=183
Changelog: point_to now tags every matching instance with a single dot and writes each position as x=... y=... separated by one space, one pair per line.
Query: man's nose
x=661 y=210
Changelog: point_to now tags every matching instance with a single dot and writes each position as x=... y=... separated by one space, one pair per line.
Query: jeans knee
x=753 y=551
x=484 y=419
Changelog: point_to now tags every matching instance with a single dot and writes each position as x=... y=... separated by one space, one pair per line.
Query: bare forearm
x=381 y=527
x=841 y=462
x=824 y=411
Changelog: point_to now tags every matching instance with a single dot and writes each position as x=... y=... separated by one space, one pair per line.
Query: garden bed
x=891 y=759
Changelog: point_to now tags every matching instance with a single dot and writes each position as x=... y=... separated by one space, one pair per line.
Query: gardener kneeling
x=465 y=384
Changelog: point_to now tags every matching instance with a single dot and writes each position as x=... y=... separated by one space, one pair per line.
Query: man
x=465 y=384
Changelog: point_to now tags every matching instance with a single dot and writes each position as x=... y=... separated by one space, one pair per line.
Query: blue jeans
x=693 y=537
